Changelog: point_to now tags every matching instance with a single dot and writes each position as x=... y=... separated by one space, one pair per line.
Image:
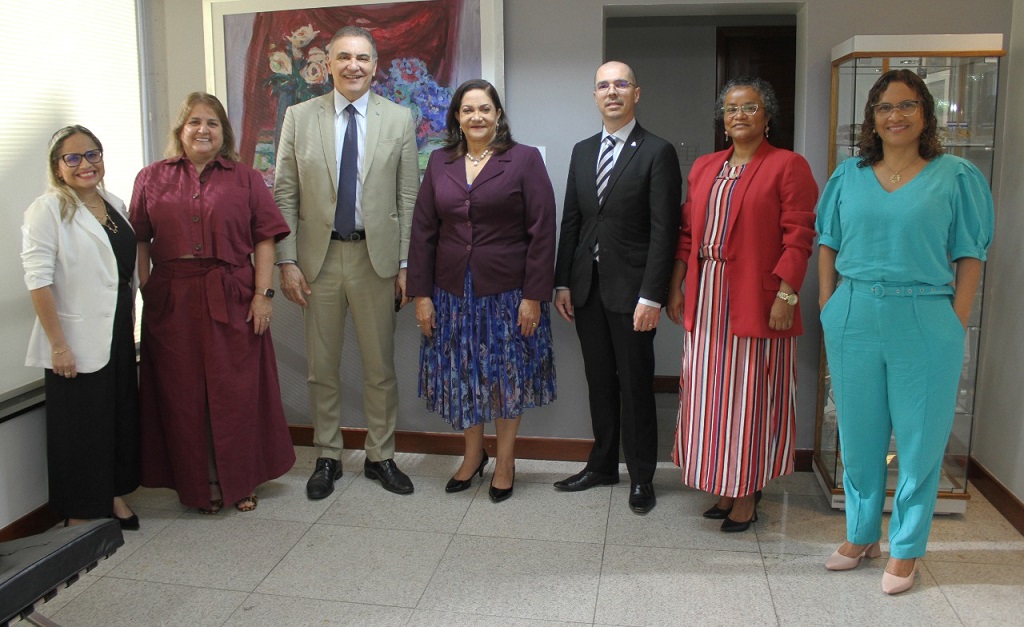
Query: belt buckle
x=878 y=290
x=354 y=236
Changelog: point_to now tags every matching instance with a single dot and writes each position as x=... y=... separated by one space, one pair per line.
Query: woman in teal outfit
x=904 y=230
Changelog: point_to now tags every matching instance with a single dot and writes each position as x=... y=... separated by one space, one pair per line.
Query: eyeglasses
x=906 y=108
x=74 y=159
x=748 y=109
x=619 y=85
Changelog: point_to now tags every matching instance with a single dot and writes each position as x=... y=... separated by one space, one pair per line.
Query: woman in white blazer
x=78 y=251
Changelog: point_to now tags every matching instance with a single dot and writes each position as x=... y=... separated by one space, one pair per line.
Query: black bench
x=34 y=569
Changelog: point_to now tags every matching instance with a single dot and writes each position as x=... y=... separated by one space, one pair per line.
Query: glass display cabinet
x=962 y=73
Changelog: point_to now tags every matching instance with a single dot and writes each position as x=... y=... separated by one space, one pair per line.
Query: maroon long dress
x=205 y=375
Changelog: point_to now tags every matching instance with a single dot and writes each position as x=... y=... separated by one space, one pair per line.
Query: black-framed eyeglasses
x=748 y=109
x=74 y=159
x=906 y=108
x=619 y=85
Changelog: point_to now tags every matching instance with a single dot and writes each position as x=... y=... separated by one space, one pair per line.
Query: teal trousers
x=895 y=352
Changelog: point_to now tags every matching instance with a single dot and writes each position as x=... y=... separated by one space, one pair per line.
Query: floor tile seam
x=942 y=591
x=505 y=537
x=683 y=548
x=354 y=526
x=312 y=598
x=433 y=573
x=177 y=584
x=309 y=527
x=986 y=562
x=768 y=580
x=600 y=566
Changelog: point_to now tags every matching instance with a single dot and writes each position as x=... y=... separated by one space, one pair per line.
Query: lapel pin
x=633 y=145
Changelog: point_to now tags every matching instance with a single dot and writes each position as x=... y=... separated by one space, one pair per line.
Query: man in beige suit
x=347 y=177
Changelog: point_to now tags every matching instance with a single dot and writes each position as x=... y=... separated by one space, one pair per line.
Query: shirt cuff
x=284 y=261
x=404 y=263
x=649 y=303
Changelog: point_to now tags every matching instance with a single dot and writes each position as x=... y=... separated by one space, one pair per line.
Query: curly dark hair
x=870 y=144
x=763 y=89
x=454 y=142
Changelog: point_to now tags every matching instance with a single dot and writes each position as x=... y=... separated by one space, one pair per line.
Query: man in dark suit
x=620 y=225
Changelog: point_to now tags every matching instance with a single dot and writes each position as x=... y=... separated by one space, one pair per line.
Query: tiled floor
x=364 y=556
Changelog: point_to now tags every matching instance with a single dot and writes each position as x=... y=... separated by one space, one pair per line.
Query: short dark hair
x=454 y=141
x=868 y=141
x=353 y=31
x=174 y=145
x=762 y=87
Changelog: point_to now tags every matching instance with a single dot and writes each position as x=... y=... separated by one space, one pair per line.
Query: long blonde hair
x=67 y=197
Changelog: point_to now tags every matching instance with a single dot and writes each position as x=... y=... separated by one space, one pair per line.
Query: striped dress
x=736 y=426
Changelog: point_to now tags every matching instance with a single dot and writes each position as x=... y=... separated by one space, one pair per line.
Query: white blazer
x=75 y=258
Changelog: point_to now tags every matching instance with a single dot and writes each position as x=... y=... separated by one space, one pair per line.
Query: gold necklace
x=896 y=178
x=476 y=160
x=106 y=221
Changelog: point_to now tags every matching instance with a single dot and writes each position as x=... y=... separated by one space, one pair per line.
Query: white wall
x=22 y=466
x=999 y=406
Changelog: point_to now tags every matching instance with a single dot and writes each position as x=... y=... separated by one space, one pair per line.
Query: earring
x=766 y=131
x=726 y=133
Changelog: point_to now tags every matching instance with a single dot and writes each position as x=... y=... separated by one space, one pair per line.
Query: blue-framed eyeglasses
x=74 y=159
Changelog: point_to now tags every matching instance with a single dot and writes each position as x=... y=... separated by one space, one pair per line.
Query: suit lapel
x=325 y=118
x=588 y=156
x=373 y=123
x=632 y=145
x=743 y=184
x=495 y=166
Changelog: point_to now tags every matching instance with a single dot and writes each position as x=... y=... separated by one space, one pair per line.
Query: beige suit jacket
x=306 y=183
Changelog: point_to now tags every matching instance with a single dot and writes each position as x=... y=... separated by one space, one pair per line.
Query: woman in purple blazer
x=481 y=268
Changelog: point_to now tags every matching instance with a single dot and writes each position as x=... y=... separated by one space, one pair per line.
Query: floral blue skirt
x=478 y=366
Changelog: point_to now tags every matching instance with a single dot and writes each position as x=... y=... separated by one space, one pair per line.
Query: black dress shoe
x=641 y=497
x=500 y=494
x=321 y=483
x=128 y=524
x=585 y=480
x=385 y=471
x=458 y=485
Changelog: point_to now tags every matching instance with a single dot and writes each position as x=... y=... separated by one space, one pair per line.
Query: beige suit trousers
x=348 y=283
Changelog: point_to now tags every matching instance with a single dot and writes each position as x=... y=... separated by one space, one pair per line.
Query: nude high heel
x=893 y=584
x=838 y=561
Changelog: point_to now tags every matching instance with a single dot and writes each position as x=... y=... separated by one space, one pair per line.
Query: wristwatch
x=269 y=293
x=791 y=299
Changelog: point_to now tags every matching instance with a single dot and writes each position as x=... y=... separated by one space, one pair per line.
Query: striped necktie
x=604 y=167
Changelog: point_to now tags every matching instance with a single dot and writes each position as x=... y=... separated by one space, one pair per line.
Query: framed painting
x=263 y=56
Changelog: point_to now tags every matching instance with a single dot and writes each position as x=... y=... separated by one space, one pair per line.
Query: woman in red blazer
x=481 y=269
x=747 y=231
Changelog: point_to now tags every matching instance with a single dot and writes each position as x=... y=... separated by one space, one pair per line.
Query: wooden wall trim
x=1001 y=498
x=36 y=521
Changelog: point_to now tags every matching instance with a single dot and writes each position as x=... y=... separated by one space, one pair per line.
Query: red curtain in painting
x=427 y=30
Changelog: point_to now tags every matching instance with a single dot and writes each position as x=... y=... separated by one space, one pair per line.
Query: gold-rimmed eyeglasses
x=748 y=109
x=906 y=108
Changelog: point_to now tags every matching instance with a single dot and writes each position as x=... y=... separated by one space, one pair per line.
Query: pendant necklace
x=476 y=160
x=107 y=223
x=895 y=178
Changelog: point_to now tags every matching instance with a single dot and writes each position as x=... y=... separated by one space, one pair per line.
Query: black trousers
x=619 y=365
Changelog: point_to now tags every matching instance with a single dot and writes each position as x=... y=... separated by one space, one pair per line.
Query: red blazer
x=503 y=228
x=768 y=237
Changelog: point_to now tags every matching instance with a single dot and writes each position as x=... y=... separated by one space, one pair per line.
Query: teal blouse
x=912 y=234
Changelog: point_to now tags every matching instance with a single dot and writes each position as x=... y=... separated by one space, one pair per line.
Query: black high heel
x=458 y=485
x=734 y=526
x=500 y=494
x=718 y=513
x=128 y=524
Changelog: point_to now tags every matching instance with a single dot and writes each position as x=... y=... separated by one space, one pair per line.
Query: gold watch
x=791 y=299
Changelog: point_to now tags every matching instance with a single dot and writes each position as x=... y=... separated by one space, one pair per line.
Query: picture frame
x=265 y=55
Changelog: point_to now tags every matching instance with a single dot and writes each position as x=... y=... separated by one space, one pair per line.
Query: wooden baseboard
x=558 y=449
x=36 y=521
x=1002 y=499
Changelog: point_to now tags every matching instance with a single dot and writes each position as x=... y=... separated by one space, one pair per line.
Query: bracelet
x=60 y=352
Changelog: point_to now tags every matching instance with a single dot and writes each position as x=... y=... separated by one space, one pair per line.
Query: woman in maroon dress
x=213 y=427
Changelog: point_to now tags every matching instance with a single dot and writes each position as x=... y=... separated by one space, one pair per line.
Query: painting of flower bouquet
x=275 y=59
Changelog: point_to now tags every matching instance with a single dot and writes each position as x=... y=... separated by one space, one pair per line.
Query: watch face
x=269 y=293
